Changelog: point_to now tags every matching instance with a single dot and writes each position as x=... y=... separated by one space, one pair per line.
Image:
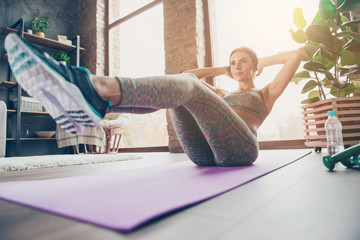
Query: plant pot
x=40 y=34
x=63 y=62
x=315 y=115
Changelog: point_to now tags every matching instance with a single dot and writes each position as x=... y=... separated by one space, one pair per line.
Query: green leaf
x=326 y=54
x=62 y=56
x=308 y=52
x=353 y=69
x=343 y=20
x=354 y=35
x=320 y=34
x=309 y=86
x=339 y=84
x=327 y=9
x=315 y=66
x=313 y=94
x=333 y=91
x=352 y=45
x=349 y=58
x=40 y=24
x=328 y=64
x=299 y=19
x=355 y=27
x=356 y=81
x=318 y=58
x=350 y=88
x=333 y=51
x=351 y=23
x=326 y=83
x=310 y=100
x=299 y=36
x=333 y=25
x=329 y=76
x=317 y=18
x=348 y=6
x=300 y=76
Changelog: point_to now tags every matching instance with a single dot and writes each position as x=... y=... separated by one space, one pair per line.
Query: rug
x=128 y=199
x=50 y=161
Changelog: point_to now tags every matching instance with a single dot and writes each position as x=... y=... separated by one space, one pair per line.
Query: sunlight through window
x=264 y=26
x=141 y=54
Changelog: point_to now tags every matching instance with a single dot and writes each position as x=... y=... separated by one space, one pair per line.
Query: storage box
x=315 y=115
x=30 y=104
x=63 y=39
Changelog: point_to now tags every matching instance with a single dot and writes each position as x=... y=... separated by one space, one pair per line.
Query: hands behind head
x=260 y=67
x=228 y=72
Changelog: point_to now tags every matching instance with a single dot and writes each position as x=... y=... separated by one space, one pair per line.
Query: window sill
x=264 y=145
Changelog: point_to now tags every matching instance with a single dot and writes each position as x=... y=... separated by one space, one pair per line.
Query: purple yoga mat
x=125 y=200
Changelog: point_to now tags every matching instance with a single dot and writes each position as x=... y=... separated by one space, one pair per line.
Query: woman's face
x=241 y=66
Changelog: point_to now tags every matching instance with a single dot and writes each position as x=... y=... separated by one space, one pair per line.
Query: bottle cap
x=331 y=113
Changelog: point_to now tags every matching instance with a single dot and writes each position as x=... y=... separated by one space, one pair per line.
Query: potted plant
x=331 y=52
x=40 y=25
x=63 y=58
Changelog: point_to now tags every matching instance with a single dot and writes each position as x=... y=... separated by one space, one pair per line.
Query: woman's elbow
x=298 y=54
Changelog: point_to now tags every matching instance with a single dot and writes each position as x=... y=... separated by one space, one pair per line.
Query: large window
x=139 y=44
x=264 y=26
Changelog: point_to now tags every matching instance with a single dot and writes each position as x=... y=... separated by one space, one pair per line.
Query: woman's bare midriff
x=248 y=118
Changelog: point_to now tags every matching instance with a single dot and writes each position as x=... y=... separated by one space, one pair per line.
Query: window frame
x=209 y=60
x=109 y=26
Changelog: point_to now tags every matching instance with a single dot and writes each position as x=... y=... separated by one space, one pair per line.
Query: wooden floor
x=299 y=201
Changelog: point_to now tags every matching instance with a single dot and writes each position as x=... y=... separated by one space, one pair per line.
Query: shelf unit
x=46 y=42
x=30 y=139
x=10 y=83
x=7 y=84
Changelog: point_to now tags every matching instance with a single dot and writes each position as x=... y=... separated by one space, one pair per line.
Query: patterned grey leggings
x=209 y=131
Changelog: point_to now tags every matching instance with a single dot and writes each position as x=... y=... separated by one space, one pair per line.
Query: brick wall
x=184 y=44
x=92 y=35
x=114 y=39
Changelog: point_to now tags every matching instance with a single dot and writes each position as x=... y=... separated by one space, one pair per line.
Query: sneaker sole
x=62 y=99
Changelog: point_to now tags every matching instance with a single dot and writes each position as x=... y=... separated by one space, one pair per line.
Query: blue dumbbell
x=349 y=158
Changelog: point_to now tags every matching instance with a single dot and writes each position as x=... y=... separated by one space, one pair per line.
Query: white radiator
x=3 y=117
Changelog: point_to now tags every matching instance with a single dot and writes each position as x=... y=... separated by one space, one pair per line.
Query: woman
x=214 y=127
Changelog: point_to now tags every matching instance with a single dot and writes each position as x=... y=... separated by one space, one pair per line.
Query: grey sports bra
x=251 y=101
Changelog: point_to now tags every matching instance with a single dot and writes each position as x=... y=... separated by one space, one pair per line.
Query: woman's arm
x=291 y=61
x=211 y=72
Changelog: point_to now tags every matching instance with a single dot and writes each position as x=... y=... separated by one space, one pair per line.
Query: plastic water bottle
x=334 y=136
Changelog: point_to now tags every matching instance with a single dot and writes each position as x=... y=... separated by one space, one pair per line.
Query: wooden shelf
x=35 y=112
x=46 y=42
x=7 y=84
x=30 y=139
x=11 y=111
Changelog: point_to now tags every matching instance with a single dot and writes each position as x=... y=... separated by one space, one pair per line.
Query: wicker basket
x=113 y=137
x=315 y=115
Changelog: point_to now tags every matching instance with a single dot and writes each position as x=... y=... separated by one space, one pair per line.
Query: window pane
x=128 y=6
x=264 y=26
x=141 y=53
